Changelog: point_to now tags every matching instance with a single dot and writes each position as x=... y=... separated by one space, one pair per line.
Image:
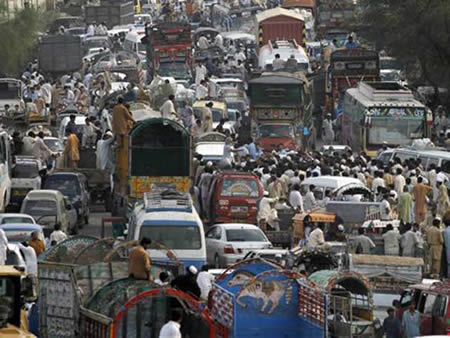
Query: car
x=15 y=257
x=73 y=185
x=50 y=207
x=228 y=243
x=10 y=218
x=80 y=122
x=21 y=232
x=25 y=177
x=211 y=146
x=340 y=149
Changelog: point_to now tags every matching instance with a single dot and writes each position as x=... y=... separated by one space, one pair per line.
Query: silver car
x=227 y=244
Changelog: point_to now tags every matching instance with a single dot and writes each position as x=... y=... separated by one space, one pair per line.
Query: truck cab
x=15 y=288
x=281 y=108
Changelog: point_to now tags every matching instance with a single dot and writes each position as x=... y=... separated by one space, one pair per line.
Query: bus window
x=424 y=160
x=445 y=165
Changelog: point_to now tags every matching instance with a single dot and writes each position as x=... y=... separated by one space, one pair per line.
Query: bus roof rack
x=167 y=200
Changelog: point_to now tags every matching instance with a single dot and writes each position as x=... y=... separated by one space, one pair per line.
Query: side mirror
x=28 y=288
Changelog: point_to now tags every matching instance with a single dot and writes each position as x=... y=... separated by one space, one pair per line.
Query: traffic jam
x=217 y=168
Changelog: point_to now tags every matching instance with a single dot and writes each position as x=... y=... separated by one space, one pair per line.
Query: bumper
x=231 y=259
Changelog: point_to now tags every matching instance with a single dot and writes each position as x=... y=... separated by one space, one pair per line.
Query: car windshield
x=66 y=185
x=276 y=131
x=53 y=144
x=16 y=219
x=9 y=90
x=245 y=235
x=217 y=115
x=236 y=105
x=25 y=170
x=178 y=70
x=174 y=237
x=239 y=188
x=40 y=208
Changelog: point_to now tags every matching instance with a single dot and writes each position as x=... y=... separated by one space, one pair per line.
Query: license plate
x=18 y=192
x=239 y=209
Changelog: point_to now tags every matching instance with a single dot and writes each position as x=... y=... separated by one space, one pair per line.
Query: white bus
x=381 y=112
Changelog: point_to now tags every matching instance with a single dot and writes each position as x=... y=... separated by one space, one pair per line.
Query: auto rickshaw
x=310 y=219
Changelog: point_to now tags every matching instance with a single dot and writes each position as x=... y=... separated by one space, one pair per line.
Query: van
x=432 y=301
x=436 y=156
x=169 y=219
x=133 y=43
x=74 y=186
x=49 y=207
x=233 y=197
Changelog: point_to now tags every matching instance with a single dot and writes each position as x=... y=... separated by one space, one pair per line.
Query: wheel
x=217 y=261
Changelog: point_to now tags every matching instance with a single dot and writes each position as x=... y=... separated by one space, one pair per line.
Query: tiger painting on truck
x=267 y=291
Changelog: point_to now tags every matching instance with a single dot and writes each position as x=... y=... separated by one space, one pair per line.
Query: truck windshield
x=395 y=132
x=236 y=187
x=40 y=208
x=275 y=94
x=9 y=91
x=25 y=170
x=8 y=297
x=276 y=131
x=173 y=237
x=177 y=70
x=64 y=184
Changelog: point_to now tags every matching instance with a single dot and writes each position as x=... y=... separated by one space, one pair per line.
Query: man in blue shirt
x=350 y=44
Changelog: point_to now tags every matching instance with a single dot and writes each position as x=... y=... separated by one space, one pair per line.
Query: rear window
x=16 y=220
x=25 y=170
x=68 y=185
x=18 y=236
x=245 y=235
x=173 y=236
x=239 y=188
x=40 y=208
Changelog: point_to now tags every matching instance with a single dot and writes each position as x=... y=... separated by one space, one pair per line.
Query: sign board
x=142 y=184
x=398 y=112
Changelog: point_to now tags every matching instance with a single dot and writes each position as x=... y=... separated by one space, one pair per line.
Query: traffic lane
x=94 y=228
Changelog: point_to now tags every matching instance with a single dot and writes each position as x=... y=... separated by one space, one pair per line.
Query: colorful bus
x=382 y=112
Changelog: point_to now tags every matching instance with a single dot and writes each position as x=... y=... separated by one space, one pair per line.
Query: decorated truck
x=155 y=151
x=169 y=50
x=281 y=108
x=346 y=69
x=257 y=298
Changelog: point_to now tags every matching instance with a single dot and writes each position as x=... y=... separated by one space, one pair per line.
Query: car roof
x=21 y=226
x=42 y=193
x=178 y=216
x=232 y=226
x=66 y=173
x=5 y=215
x=331 y=181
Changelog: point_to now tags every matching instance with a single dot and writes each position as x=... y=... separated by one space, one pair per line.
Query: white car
x=227 y=244
x=16 y=218
x=25 y=177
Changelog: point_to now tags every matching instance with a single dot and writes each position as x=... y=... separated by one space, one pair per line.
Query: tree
x=415 y=31
x=19 y=36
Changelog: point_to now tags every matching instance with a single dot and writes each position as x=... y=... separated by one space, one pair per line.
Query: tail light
x=228 y=249
x=224 y=202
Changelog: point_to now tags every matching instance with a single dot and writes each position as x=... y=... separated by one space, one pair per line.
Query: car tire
x=217 y=261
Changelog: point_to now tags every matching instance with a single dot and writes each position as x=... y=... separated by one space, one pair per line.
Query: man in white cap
x=265 y=212
x=188 y=282
x=104 y=152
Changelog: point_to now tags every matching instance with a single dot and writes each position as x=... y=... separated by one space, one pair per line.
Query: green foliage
x=19 y=36
x=416 y=31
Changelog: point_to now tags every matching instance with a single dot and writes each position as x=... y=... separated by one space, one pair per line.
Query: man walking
x=435 y=241
x=411 y=322
x=420 y=192
x=139 y=265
